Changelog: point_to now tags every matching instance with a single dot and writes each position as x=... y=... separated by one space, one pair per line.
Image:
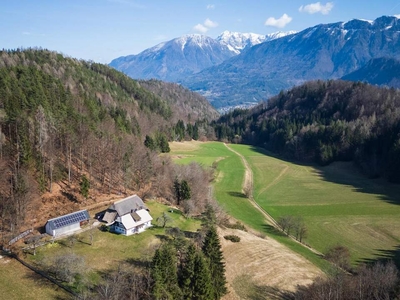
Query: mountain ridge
x=189 y=54
x=324 y=51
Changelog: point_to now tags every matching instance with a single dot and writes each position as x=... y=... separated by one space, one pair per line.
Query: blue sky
x=102 y=30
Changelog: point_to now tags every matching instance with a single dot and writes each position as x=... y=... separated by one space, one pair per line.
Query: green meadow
x=338 y=204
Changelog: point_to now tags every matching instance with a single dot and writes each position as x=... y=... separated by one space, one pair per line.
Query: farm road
x=248 y=187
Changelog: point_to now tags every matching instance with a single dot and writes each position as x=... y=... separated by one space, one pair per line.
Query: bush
x=236 y=225
x=232 y=238
x=104 y=228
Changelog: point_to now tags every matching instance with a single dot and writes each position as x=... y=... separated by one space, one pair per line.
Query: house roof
x=128 y=205
x=65 y=220
x=128 y=221
x=135 y=216
x=109 y=216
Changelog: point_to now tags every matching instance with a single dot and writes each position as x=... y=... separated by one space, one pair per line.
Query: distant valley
x=265 y=64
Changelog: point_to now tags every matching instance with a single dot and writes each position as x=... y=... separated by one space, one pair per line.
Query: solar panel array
x=70 y=219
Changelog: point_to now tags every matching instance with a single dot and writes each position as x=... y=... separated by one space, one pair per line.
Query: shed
x=67 y=223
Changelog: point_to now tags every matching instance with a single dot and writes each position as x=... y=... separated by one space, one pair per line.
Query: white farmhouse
x=128 y=216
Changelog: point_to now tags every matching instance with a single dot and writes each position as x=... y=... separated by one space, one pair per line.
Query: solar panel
x=69 y=219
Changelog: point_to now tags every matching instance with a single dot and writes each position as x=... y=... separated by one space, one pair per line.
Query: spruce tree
x=165 y=274
x=212 y=250
x=202 y=282
x=188 y=272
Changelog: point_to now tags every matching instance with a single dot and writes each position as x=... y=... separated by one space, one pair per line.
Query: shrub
x=232 y=238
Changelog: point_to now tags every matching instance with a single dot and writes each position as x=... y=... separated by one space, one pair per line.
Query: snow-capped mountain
x=321 y=52
x=178 y=58
x=237 y=41
x=175 y=59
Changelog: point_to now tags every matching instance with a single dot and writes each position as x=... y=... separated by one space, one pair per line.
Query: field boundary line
x=248 y=184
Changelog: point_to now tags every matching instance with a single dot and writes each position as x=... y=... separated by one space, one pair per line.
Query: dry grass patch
x=271 y=265
x=19 y=283
x=185 y=146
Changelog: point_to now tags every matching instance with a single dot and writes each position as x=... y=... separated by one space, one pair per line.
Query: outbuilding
x=67 y=224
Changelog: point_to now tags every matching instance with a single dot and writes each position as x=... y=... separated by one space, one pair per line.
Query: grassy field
x=228 y=190
x=109 y=250
x=338 y=204
x=19 y=283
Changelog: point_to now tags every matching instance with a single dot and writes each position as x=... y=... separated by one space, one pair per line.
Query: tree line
x=325 y=121
x=71 y=121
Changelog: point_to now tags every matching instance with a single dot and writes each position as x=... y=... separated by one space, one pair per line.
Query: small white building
x=128 y=216
x=67 y=224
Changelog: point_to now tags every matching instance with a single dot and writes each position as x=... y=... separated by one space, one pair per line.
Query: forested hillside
x=82 y=125
x=325 y=121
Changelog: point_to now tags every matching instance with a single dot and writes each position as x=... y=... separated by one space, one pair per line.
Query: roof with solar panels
x=72 y=218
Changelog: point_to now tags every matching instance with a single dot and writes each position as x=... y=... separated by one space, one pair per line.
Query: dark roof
x=128 y=205
x=135 y=216
x=109 y=216
x=62 y=221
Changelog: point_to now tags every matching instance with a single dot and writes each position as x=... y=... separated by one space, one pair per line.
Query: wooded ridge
x=325 y=121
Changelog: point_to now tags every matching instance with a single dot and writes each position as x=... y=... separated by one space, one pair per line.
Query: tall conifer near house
x=188 y=272
x=202 y=282
x=164 y=274
x=212 y=250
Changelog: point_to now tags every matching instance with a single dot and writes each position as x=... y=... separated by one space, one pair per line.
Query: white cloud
x=26 y=33
x=210 y=24
x=280 y=23
x=210 y=6
x=206 y=26
x=200 y=28
x=317 y=8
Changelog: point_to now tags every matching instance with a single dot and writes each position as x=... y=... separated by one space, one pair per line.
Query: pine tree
x=188 y=272
x=165 y=274
x=212 y=250
x=185 y=190
x=202 y=283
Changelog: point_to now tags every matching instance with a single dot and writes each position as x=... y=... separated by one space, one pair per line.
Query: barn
x=66 y=224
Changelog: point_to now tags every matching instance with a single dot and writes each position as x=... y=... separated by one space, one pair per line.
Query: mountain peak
x=237 y=41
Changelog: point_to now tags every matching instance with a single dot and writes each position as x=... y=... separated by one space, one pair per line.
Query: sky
x=101 y=30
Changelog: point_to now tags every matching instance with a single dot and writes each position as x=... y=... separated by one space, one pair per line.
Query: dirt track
x=268 y=262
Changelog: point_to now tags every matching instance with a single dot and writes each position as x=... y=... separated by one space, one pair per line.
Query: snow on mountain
x=174 y=59
x=237 y=41
x=325 y=51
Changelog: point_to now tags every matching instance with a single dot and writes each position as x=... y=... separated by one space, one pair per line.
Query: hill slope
x=63 y=119
x=324 y=122
x=379 y=71
x=320 y=52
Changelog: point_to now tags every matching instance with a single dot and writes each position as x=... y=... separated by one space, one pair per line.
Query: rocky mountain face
x=321 y=52
x=187 y=55
x=175 y=59
x=379 y=71
x=238 y=42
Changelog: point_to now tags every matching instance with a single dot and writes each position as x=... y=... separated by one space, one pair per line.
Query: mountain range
x=241 y=69
x=176 y=59
x=379 y=71
x=325 y=51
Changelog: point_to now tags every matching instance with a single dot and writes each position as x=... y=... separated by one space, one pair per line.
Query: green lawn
x=19 y=283
x=228 y=192
x=109 y=249
x=338 y=204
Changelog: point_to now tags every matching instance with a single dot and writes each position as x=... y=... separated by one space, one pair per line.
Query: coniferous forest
x=72 y=121
x=322 y=122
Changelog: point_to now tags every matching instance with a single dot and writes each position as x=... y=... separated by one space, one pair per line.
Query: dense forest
x=325 y=121
x=83 y=125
